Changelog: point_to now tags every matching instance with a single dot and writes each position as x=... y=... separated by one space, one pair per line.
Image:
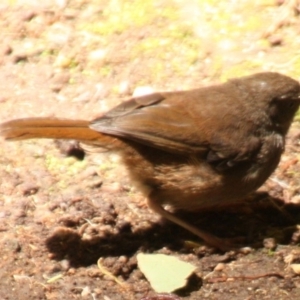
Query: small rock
x=65 y=264
x=70 y=148
x=59 y=80
x=295 y=199
x=12 y=245
x=29 y=189
x=142 y=91
x=23 y=54
x=270 y=243
x=275 y=40
x=27 y=15
x=295 y=268
x=70 y=220
x=5 y=50
x=112 y=188
x=95 y=184
x=97 y=55
x=124 y=88
x=86 y=292
x=219 y=267
x=63 y=61
x=19 y=58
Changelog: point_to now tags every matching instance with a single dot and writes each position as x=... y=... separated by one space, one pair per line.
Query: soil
x=63 y=210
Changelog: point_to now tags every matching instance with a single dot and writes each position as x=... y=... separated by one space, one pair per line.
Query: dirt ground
x=61 y=210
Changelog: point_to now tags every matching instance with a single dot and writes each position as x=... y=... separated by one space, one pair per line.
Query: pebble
x=27 y=15
x=142 y=91
x=12 y=245
x=65 y=264
x=97 y=55
x=5 y=50
x=270 y=243
x=124 y=88
x=219 y=267
x=59 y=80
x=275 y=40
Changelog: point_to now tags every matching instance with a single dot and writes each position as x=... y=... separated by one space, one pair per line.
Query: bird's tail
x=50 y=128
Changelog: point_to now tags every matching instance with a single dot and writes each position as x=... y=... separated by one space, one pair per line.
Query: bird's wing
x=152 y=121
x=162 y=121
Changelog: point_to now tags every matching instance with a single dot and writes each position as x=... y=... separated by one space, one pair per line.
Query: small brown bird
x=197 y=149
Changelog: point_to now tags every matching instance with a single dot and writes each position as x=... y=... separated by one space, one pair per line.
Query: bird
x=193 y=150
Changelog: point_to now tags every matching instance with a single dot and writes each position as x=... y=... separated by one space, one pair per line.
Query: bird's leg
x=214 y=241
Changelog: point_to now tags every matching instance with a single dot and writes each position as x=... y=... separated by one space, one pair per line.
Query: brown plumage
x=194 y=149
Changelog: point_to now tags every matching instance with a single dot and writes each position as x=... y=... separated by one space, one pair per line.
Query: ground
x=61 y=213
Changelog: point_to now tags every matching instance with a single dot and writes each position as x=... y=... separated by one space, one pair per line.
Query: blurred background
x=85 y=52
